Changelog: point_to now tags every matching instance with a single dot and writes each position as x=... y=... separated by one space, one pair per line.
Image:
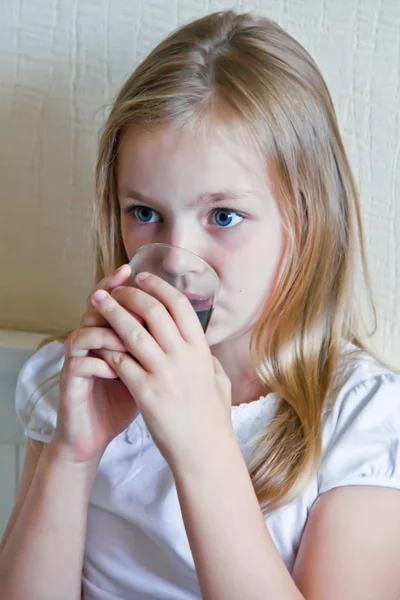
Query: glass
x=182 y=269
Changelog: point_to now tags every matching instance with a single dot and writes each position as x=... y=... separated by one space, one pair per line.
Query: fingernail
x=142 y=276
x=99 y=296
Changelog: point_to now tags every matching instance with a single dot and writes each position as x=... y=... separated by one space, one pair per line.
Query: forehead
x=165 y=161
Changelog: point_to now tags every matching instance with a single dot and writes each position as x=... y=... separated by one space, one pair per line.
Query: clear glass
x=182 y=269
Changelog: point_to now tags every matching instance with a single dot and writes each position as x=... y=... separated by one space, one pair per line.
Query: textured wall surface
x=61 y=61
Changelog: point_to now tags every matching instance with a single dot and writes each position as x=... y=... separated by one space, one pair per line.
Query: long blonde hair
x=248 y=70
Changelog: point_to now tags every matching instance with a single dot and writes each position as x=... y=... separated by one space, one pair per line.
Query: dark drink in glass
x=182 y=269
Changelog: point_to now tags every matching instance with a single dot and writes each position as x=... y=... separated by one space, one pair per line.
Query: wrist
x=216 y=456
x=54 y=455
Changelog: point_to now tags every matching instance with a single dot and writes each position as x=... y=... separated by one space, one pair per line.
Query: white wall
x=62 y=61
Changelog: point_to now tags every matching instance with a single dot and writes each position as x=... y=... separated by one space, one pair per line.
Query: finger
x=89 y=366
x=92 y=318
x=104 y=354
x=177 y=305
x=108 y=283
x=81 y=341
x=150 y=311
x=116 y=278
x=128 y=370
x=138 y=342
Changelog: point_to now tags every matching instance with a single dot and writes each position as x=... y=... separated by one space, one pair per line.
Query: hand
x=180 y=388
x=95 y=406
x=91 y=316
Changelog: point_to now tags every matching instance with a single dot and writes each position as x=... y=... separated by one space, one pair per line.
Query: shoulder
x=361 y=427
x=363 y=386
x=37 y=391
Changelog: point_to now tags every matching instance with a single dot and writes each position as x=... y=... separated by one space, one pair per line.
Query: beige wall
x=61 y=62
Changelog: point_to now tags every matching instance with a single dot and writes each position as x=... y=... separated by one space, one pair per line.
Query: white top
x=136 y=544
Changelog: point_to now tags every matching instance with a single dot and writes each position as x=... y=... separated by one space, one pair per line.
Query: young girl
x=259 y=461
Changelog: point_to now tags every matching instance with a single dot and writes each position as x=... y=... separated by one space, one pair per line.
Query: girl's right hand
x=95 y=406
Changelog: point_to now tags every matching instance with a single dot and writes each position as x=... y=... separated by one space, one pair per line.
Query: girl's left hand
x=181 y=390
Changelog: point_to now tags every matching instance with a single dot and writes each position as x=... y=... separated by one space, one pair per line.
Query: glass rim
x=163 y=245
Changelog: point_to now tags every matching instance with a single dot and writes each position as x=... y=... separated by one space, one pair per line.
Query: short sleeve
x=361 y=443
x=37 y=392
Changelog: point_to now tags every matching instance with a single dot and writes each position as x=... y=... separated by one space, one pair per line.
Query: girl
x=260 y=461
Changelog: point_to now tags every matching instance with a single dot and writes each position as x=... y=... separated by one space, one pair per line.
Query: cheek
x=250 y=270
x=124 y=235
x=132 y=238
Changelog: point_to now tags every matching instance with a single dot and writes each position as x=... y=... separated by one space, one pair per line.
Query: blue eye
x=224 y=218
x=142 y=213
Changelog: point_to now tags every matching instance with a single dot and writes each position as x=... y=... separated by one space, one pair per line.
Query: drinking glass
x=182 y=269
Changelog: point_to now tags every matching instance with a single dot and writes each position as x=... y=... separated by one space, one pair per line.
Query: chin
x=217 y=334
x=214 y=335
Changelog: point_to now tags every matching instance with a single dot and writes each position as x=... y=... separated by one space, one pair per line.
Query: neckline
x=236 y=412
x=253 y=404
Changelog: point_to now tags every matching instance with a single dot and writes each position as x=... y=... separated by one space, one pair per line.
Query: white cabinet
x=14 y=352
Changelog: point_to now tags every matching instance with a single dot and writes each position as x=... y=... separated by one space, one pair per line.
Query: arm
x=32 y=456
x=350 y=546
x=234 y=553
x=43 y=554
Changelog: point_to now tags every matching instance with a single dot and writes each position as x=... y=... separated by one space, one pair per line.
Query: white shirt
x=136 y=544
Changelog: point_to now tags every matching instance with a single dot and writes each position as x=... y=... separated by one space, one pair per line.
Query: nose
x=179 y=261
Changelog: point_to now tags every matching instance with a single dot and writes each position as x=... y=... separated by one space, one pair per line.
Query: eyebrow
x=202 y=199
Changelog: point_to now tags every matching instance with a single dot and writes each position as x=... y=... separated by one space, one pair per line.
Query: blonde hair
x=247 y=70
